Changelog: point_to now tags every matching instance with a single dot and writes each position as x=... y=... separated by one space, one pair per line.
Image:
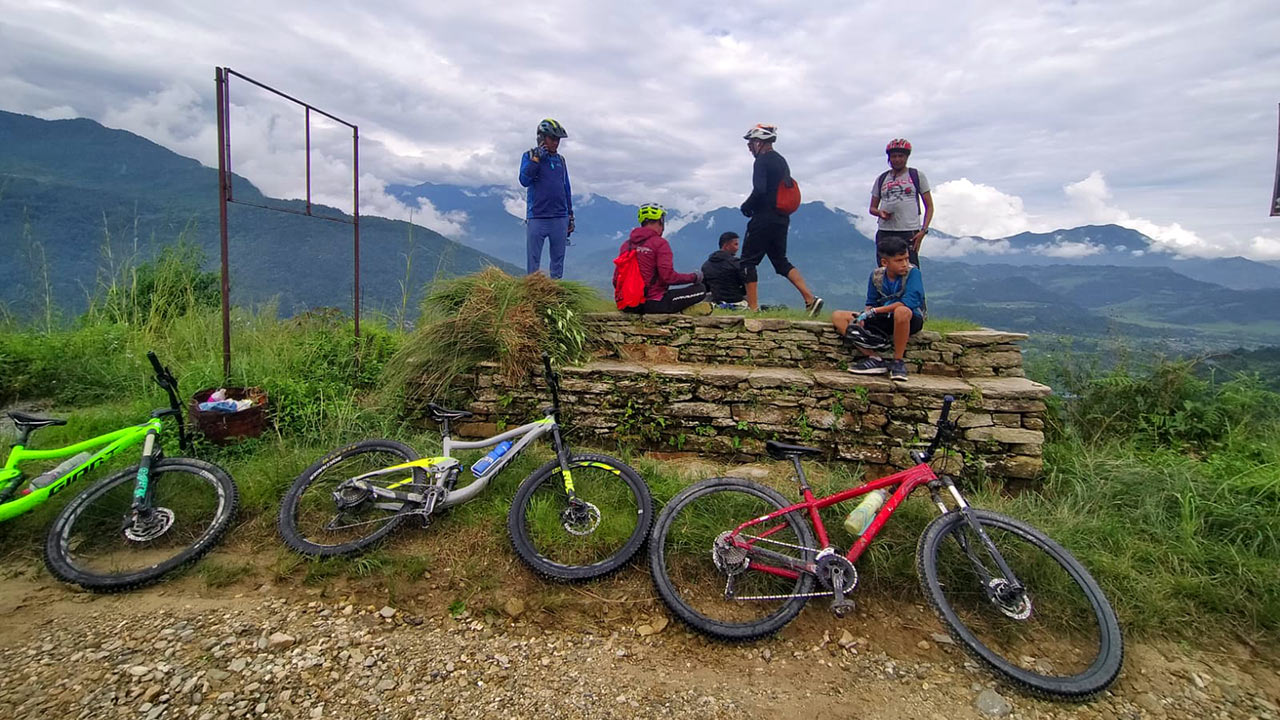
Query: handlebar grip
x=946 y=407
x=155 y=362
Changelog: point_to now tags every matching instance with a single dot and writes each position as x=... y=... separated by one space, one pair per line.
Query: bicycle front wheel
x=593 y=534
x=714 y=589
x=1057 y=636
x=323 y=514
x=94 y=543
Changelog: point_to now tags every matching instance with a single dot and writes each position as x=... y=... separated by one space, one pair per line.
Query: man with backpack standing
x=549 y=201
x=767 y=228
x=896 y=198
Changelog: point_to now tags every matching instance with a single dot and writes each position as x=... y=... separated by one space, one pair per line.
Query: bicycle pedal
x=843 y=607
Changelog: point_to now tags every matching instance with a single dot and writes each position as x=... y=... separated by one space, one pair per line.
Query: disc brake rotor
x=157 y=524
x=580 y=518
x=1014 y=605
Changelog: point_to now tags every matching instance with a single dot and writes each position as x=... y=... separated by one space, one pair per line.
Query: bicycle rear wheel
x=590 y=537
x=1058 y=637
x=92 y=543
x=692 y=577
x=311 y=520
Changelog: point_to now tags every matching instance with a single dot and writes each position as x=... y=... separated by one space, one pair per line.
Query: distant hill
x=77 y=199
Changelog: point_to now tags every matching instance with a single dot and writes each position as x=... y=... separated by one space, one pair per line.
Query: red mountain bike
x=736 y=560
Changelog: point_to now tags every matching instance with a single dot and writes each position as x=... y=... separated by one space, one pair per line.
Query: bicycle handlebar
x=552 y=382
x=166 y=380
x=944 y=428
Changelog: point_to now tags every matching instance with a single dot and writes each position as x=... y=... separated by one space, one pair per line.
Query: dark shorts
x=905 y=235
x=675 y=300
x=765 y=237
x=884 y=324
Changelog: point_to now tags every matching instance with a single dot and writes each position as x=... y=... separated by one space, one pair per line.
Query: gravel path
x=183 y=651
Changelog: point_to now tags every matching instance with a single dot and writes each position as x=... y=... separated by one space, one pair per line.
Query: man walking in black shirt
x=767 y=229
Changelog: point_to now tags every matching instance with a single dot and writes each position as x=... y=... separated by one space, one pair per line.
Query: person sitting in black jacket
x=723 y=274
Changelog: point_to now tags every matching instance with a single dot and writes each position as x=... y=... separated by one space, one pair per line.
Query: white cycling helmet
x=767 y=133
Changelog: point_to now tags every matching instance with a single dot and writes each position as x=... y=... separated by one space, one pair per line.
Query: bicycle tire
x=1035 y=569
x=73 y=533
x=606 y=541
x=292 y=506
x=698 y=555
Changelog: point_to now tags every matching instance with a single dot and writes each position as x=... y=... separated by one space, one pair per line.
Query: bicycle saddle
x=26 y=421
x=782 y=451
x=440 y=414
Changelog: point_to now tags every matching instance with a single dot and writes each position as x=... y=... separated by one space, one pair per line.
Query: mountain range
x=76 y=198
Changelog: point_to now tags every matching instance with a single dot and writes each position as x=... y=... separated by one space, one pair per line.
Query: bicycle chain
x=757 y=538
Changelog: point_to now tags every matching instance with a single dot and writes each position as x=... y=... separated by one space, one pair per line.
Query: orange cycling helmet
x=899 y=144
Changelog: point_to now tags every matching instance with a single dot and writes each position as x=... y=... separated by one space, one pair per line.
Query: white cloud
x=1067 y=249
x=1024 y=97
x=942 y=246
x=970 y=208
x=57 y=112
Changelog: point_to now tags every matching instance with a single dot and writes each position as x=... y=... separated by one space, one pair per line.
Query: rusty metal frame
x=222 y=86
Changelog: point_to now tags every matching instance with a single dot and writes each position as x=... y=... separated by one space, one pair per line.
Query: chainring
x=825 y=566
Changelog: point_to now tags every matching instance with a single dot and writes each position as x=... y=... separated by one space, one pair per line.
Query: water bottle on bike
x=859 y=518
x=487 y=461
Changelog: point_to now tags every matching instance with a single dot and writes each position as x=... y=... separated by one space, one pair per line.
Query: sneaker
x=702 y=308
x=898 y=371
x=869 y=366
x=812 y=308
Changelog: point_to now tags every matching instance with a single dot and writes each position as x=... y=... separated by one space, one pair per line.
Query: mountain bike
x=579 y=516
x=133 y=527
x=736 y=560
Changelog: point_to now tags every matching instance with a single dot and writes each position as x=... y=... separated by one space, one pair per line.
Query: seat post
x=800 y=478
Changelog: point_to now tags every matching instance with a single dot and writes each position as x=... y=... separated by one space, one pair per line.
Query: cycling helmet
x=898 y=144
x=551 y=128
x=767 y=133
x=651 y=211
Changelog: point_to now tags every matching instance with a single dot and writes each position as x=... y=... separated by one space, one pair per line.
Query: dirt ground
x=344 y=648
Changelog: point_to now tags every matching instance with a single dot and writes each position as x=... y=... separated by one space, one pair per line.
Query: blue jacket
x=912 y=295
x=549 y=195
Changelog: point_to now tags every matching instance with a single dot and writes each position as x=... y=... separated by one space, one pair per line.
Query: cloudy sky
x=1161 y=116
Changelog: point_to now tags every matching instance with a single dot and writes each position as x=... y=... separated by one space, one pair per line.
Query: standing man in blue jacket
x=549 y=199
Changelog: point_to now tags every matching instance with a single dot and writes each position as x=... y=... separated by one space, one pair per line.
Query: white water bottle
x=47 y=478
x=859 y=518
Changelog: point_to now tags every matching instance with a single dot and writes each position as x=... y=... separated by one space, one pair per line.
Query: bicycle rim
x=314 y=521
x=1057 y=637
x=98 y=544
x=692 y=581
x=597 y=534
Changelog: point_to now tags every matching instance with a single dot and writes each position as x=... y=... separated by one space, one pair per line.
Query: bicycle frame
x=115 y=442
x=906 y=481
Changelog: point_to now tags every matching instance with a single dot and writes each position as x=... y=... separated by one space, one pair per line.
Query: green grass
x=1163 y=484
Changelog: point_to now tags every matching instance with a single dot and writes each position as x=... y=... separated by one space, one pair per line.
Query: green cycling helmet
x=551 y=128
x=651 y=211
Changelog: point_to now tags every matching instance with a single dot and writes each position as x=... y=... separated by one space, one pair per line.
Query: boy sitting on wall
x=894 y=312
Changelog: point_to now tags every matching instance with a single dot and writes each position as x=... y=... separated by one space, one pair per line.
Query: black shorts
x=673 y=301
x=905 y=235
x=765 y=237
x=883 y=324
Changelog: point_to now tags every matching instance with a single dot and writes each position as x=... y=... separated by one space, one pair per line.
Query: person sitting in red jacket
x=653 y=255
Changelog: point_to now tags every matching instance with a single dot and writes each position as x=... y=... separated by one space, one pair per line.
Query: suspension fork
x=562 y=456
x=966 y=512
x=142 y=492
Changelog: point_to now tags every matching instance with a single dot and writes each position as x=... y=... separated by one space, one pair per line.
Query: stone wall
x=730 y=410
x=738 y=340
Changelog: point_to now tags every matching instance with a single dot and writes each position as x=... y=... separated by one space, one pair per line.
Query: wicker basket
x=223 y=428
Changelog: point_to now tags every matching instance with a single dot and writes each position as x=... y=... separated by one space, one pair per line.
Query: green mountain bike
x=578 y=517
x=133 y=527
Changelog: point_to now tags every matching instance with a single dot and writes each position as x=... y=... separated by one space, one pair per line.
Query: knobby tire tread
x=1081 y=691
x=62 y=569
x=286 y=522
x=556 y=572
x=666 y=589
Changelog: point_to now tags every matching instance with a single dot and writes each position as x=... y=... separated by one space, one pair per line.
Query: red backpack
x=788 y=199
x=628 y=284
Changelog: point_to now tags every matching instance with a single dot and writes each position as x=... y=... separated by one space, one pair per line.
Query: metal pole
x=220 y=85
x=355 y=215
x=308 y=160
x=1275 y=195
